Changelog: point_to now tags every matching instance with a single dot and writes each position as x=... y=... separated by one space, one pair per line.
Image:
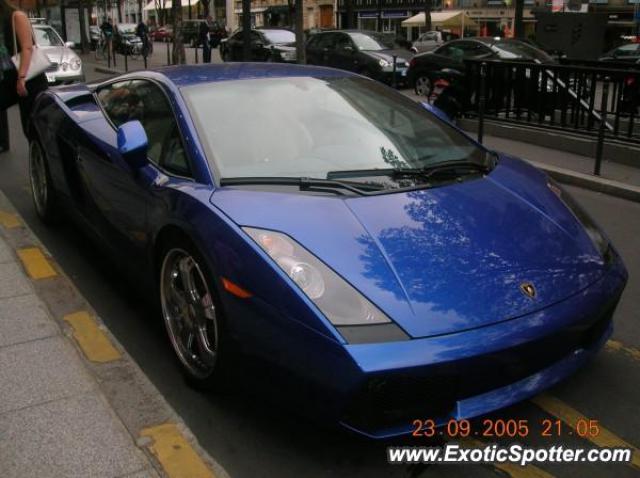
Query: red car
x=163 y=34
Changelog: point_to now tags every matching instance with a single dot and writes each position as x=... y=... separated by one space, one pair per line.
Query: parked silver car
x=427 y=42
x=66 y=66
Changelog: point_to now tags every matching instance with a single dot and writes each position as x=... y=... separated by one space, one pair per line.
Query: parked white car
x=427 y=41
x=66 y=66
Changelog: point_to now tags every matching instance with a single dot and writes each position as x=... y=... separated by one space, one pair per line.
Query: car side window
x=343 y=41
x=627 y=50
x=256 y=38
x=144 y=101
x=323 y=40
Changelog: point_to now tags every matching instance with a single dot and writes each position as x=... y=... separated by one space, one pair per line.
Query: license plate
x=51 y=78
x=403 y=72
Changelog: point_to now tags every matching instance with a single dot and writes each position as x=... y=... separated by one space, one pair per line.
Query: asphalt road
x=252 y=437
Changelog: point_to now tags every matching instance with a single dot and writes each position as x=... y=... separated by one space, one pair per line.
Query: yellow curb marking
x=513 y=470
x=35 y=263
x=9 y=220
x=94 y=342
x=616 y=346
x=564 y=412
x=176 y=455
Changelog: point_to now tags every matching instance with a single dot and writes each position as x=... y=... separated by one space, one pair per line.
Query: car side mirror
x=133 y=144
x=69 y=44
x=436 y=111
x=347 y=48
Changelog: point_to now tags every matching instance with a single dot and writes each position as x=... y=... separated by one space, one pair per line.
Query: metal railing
x=583 y=100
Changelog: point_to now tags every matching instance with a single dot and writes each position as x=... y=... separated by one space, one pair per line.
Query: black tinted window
x=144 y=101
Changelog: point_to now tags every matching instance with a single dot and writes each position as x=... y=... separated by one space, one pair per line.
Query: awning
x=449 y=19
x=253 y=10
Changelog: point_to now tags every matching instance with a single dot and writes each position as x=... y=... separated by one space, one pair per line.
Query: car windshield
x=279 y=36
x=515 y=50
x=310 y=127
x=127 y=29
x=371 y=41
x=47 y=36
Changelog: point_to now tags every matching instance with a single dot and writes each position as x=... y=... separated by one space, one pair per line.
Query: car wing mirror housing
x=133 y=144
x=69 y=44
x=436 y=111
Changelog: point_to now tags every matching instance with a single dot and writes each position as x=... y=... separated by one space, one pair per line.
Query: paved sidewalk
x=72 y=401
x=54 y=420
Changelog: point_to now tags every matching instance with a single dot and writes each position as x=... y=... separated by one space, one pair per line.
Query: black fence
x=584 y=100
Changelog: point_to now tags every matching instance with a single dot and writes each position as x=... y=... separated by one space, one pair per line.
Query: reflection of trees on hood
x=453 y=252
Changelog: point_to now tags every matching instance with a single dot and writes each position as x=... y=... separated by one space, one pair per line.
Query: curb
x=155 y=428
x=588 y=181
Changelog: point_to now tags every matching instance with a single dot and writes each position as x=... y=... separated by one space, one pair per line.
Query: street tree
x=518 y=24
x=299 y=29
x=178 y=56
x=246 y=30
x=428 y=5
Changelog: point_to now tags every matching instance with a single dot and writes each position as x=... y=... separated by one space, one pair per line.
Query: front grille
x=389 y=400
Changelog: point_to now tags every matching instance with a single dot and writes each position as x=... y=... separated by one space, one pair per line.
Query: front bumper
x=65 y=77
x=386 y=76
x=472 y=373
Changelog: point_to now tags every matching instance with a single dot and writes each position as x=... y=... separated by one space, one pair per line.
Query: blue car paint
x=382 y=255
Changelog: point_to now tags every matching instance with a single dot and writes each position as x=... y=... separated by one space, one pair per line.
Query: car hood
x=59 y=54
x=441 y=260
x=387 y=55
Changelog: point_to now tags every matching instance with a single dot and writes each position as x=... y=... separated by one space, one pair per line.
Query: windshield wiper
x=307 y=184
x=442 y=167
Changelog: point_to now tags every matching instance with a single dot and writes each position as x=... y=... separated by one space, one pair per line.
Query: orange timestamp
x=505 y=428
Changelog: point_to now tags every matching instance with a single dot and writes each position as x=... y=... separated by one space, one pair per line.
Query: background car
x=267 y=44
x=191 y=32
x=367 y=53
x=164 y=34
x=94 y=35
x=427 y=41
x=629 y=53
x=361 y=248
x=66 y=65
x=452 y=54
x=125 y=40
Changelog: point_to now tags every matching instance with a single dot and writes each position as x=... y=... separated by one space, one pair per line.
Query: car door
x=314 y=48
x=259 y=49
x=345 y=54
x=235 y=46
x=120 y=195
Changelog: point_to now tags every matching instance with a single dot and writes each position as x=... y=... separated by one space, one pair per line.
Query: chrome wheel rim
x=423 y=86
x=38 y=178
x=189 y=313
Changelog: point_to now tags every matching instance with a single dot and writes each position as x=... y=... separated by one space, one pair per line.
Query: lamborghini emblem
x=528 y=289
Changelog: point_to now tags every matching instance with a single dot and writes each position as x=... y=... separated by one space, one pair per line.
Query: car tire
x=423 y=85
x=42 y=191
x=192 y=313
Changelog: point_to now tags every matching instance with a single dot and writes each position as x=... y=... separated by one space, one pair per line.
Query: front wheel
x=42 y=192
x=423 y=85
x=192 y=313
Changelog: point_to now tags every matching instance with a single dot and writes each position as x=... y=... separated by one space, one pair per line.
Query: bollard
x=393 y=78
x=601 y=129
x=145 y=61
x=168 y=55
x=4 y=131
x=196 y=50
x=108 y=56
x=481 y=101
x=126 y=59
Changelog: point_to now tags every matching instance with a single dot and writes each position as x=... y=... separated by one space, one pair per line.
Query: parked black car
x=267 y=44
x=368 y=53
x=452 y=54
x=629 y=53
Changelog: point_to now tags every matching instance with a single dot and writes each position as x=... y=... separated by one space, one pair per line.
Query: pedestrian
x=204 y=38
x=16 y=35
x=107 y=32
x=143 y=33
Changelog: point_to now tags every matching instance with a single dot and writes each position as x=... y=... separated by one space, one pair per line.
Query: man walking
x=143 y=33
x=107 y=33
x=203 y=36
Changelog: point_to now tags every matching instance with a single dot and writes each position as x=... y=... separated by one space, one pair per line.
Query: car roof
x=190 y=75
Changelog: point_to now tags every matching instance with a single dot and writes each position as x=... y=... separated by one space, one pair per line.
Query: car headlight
x=75 y=64
x=598 y=239
x=337 y=299
x=383 y=63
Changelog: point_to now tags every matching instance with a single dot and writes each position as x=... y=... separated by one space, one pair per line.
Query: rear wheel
x=423 y=85
x=191 y=312
x=42 y=192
